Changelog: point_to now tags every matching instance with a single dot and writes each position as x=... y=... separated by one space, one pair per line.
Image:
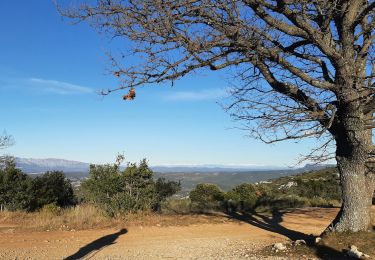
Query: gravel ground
x=232 y=240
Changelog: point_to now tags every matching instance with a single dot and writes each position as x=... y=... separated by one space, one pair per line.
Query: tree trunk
x=353 y=143
x=357 y=192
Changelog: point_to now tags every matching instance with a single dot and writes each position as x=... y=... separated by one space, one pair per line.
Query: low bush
x=51 y=209
x=163 y=190
x=52 y=188
x=18 y=191
x=206 y=197
x=241 y=198
x=131 y=190
x=15 y=188
x=315 y=188
x=177 y=206
x=282 y=202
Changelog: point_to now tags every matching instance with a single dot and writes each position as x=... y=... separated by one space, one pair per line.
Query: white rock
x=279 y=246
x=299 y=242
x=355 y=253
x=288 y=185
x=317 y=240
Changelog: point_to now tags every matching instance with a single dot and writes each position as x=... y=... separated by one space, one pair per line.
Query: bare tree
x=306 y=69
x=5 y=141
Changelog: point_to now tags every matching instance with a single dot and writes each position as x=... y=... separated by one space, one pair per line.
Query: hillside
x=326 y=174
x=225 y=180
x=313 y=188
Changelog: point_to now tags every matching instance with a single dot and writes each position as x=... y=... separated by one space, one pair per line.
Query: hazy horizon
x=208 y=165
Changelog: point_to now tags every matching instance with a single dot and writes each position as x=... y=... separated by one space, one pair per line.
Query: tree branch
x=291 y=91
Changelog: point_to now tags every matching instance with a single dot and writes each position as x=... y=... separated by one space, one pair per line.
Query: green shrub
x=242 y=197
x=51 y=209
x=15 y=188
x=206 y=197
x=317 y=189
x=18 y=191
x=130 y=190
x=51 y=188
x=314 y=188
x=322 y=202
x=163 y=190
x=283 y=201
x=177 y=206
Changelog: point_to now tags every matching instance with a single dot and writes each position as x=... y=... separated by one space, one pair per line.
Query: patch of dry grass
x=76 y=218
x=153 y=219
x=85 y=216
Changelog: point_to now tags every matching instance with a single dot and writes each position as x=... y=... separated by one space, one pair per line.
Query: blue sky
x=51 y=72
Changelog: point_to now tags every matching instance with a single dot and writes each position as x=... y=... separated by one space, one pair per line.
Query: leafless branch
x=298 y=63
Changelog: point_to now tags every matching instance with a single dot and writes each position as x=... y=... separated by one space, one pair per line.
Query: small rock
x=317 y=240
x=355 y=253
x=279 y=246
x=299 y=242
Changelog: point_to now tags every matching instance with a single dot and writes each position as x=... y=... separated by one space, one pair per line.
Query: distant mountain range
x=226 y=177
x=29 y=165
x=213 y=168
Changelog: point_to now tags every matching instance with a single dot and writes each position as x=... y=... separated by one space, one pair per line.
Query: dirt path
x=230 y=240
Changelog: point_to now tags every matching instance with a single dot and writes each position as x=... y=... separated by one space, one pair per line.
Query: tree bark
x=353 y=142
x=355 y=213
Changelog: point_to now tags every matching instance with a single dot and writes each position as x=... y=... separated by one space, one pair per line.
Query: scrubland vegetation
x=131 y=190
x=313 y=189
x=109 y=188
x=111 y=195
x=19 y=191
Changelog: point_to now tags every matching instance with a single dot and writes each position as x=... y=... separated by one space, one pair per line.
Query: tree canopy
x=19 y=191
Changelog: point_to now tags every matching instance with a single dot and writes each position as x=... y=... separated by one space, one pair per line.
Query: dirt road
x=239 y=238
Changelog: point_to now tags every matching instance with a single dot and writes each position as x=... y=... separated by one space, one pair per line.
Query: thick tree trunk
x=357 y=192
x=353 y=142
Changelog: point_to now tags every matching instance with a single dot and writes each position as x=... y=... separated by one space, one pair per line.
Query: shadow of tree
x=273 y=224
x=96 y=245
